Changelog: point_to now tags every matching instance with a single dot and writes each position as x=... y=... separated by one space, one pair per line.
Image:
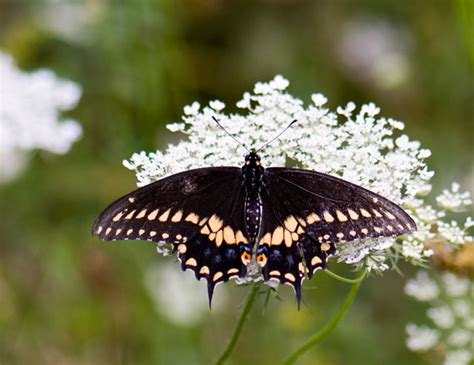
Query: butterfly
x=220 y=220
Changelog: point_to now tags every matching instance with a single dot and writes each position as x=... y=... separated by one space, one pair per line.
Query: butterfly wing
x=306 y=213
x=200 y=212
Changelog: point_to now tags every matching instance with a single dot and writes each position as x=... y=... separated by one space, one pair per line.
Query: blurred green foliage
x=66 y=298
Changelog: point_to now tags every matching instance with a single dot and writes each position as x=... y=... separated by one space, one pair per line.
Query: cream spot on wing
x=182 y=248
x=204 y=270
x=118 y=231
x=325 y=246
x=129 y=232
x=409 y=226
x=328 y=217
x=99 y=229
x=191 y=262
x=152 y=215
x=290 y=277
x=165 y=235
x=290 y=223
x=232 y=271
x=375 y=200
x=219 y=238
x=277 y=236
x=353 y=214
x=340 y=235
x=239 y=237
x=288 y=239
x=141 y=214
x=364 y=230
x=177 y=216
x=117 y=217
x=365 y=213
x=179 y=237
x=313 y=217
x=205 y=230
x=266 y=239
x=390 y=228
x=326 y=236
x=389 y=215
x=316 y=260
x=193 y=218
x=131 y=199
x=294 y=236
x=152 y=233
x=164 y=216
x=130 y=215
x=301 y=221
x=229 y=235
x=302 y=268
x=274 y=273
x=217 y=276
x=212 y=236
x=340 y=216
x=202 y=221
x=107 y=231
x=215 y=223
x=377 y=213
x=400 y=226
x=300 y=230
x=141 y=231
x=353 y=233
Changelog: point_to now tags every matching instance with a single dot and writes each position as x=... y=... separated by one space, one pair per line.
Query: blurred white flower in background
x=372 y=49
x=30 y=108
x=451 y=298
x=179 y=298
x=71 y=20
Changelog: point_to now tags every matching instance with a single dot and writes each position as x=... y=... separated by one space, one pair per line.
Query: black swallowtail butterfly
x=219 y=219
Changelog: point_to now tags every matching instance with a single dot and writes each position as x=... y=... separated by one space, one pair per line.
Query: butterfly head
x=252 y=159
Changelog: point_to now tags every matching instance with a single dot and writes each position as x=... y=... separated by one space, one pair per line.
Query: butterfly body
x=221 y=219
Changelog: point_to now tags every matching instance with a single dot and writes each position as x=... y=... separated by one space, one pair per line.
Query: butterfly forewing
x=200 y=212
x=306 y=213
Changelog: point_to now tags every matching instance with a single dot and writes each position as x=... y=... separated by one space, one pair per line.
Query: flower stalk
x=240 y=324
x=329 y=327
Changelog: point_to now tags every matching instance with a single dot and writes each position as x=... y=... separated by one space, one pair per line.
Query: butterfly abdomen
x=253 y=215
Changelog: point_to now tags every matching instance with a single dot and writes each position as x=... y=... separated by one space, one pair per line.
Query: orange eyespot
x=261 y=259
x=246 y=257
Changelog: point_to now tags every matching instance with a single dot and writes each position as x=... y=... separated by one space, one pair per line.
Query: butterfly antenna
x=230 y=135
x=277 y=136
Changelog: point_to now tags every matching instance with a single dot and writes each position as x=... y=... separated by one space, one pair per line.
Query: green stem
x=343 y=279
x=321 y=334
x=238 y=329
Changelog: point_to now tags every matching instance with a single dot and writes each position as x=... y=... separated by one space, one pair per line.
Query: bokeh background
x=66 y=298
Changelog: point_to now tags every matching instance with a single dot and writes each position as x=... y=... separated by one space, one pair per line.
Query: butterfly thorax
x=252 y=173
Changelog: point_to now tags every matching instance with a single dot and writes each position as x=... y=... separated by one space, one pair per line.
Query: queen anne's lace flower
x=30 y=109
x=453 y=199
x=356 y=145
x=421 y=338
x=451 y=312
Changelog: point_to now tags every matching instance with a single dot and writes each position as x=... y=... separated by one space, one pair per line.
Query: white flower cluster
x=451 y=313
x=358 y=146
x=30 y=109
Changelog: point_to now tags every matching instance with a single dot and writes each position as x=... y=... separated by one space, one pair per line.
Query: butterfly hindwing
x=306 y=213
x=200 y=212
